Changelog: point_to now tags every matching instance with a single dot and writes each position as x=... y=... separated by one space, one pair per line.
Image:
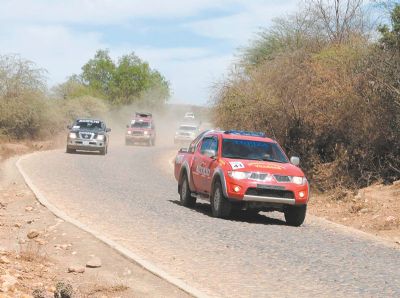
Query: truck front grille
x=275 y=193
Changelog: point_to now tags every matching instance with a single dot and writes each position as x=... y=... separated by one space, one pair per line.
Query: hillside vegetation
x=28 y=110
x=327 y=88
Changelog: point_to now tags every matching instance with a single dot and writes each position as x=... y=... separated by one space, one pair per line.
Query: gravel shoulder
x=57 y=247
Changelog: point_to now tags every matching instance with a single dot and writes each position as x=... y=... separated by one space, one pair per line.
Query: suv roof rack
x=246 y=133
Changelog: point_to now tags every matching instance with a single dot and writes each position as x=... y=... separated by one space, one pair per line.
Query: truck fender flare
x=185 y=168
x=219 y=174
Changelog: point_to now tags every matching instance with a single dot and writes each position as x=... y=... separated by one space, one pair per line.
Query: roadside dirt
x=41 y=255
x=375 y=210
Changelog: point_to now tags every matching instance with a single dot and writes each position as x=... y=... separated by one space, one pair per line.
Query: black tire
x=220 y=206
x=185 y=194
x=103 y=151
x=127 y=143
x=295 y=215
x=70 y=150
x=252 y=212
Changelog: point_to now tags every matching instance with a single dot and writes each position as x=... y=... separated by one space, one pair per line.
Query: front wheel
x=185 y=194
x=295 y=215
x=103 y=151
x=70 y=150
x=220 y=206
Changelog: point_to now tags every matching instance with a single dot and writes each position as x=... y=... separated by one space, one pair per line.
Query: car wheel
x=103 y=151
x=127 y=143
x=70 y=150
x=220 y=206
x=185 y=194
x=295 y=215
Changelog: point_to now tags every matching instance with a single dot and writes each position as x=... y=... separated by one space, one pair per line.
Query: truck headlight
x=299 y=180
x=129 y=132
x=100 y=137
x=239 y=175
x=72 y=135
x=145 y=132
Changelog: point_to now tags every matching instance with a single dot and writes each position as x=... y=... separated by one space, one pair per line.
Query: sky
x=193 y=43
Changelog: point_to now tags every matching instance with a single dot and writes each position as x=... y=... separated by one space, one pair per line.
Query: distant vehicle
x=141 y=130
x=88 y=135
x=189 y=116
x=186 y=133
x=243 y=170
x=143 y=115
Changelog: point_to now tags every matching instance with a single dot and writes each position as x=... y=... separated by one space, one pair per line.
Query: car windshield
x=88 y=124
x=253 y=150
x=140 y=124
x=187 y=128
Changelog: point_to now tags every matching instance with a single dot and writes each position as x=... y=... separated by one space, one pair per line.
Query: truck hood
x=244 y=165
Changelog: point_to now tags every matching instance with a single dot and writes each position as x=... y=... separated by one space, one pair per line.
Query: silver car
x=186 y=133
x=88 y=135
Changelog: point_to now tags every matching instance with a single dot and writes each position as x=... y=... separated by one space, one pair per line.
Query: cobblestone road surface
x=130 y=196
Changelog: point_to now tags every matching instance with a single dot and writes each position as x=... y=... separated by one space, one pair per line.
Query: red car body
x=252 y=184
x=141 y=130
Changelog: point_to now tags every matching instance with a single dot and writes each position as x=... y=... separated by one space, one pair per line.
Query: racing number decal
x=236 y=165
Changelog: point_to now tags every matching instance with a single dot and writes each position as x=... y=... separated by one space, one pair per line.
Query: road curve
x=130 y=196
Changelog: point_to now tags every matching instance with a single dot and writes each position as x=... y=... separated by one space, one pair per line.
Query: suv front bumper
x=86 y=145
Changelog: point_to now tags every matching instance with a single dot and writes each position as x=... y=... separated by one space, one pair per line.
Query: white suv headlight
x=100 y=137
x=72 y=135
x=146 y=132
x=299 y=180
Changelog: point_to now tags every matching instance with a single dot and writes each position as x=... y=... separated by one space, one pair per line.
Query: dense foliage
x=321 y=87
x=124 y=82
x=27 y=110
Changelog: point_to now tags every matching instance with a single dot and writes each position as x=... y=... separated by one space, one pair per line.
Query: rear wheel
x=295 y=215
x=220 y=206
x=185 y=194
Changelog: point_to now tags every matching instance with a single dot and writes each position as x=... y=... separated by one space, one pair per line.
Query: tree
x=391 y=36
x=98 y=72
x=339 y=20
x=123 y=82
x=19 y=76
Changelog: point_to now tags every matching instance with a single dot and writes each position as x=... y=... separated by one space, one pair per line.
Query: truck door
x=209 y=163
x=199 y=170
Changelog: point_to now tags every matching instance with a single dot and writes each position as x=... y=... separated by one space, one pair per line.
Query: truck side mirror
x=210 y=153
x=295 y=160
x=127 y=126
x=69 y=126
x=183 y=150
x=108 y=129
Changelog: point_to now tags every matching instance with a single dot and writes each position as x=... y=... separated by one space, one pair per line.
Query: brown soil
x=375 y=210
x=40 y=265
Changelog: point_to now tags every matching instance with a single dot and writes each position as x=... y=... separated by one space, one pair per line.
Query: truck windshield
x=140 y=124
x=253 y=150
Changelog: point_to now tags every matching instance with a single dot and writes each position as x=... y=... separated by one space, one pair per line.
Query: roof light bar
x=246 y=133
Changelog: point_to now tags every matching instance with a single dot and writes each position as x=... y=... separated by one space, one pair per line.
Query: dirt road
x=130 y=196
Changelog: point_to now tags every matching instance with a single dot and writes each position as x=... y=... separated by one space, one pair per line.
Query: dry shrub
x=322 y=106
